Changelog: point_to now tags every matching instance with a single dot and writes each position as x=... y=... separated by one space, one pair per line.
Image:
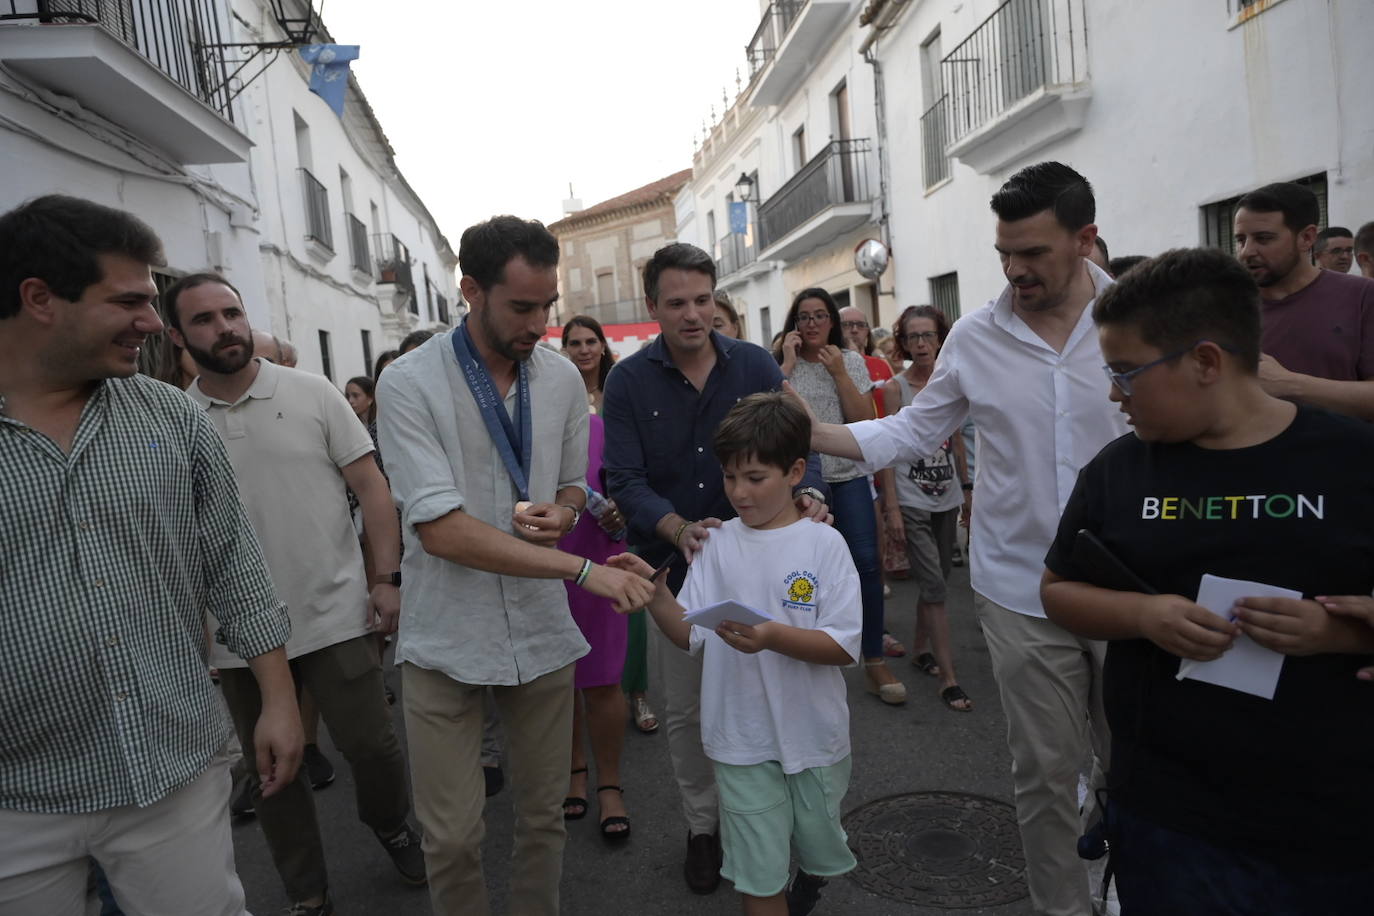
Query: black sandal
x=953 y=694
x=615 y=820
x=579 y=805
x=925 y=663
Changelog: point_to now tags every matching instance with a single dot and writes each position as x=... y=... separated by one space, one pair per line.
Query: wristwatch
x=577 y=514
x=387 y=579
x=811 y=492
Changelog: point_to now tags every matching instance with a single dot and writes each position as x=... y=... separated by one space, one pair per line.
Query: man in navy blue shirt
x=661 y=409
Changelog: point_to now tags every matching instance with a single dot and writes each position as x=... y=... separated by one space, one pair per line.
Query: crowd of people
x=526 y=527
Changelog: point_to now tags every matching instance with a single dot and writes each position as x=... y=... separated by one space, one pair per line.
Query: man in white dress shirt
x=1027 y=369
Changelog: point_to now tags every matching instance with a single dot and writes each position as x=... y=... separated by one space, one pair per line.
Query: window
x=326 y=357
x=429 y=294
x=944 y=293
x=605 y=287
x=303 y=159
x=346 y=190
x=799 y=147
x=766 y=324
x=1219 y=219
x=367 y=352
x=935 y=120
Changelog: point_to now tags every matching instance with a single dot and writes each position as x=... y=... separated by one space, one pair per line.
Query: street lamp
x=744 y=188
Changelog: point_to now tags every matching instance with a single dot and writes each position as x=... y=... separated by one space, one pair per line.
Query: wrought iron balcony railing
x=357 y=244
x=735 y=253
x=838 y=174
x=934 y=140
x=393 y=261
x=173 y=34
x=773 y=28
x=318 y=226
x=1023 y=46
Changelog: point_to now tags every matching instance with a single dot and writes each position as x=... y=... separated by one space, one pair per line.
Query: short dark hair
x=768 y=426
x=1047 y=186
x=918 y=311
x=486 y=248
x=1124 y=263
x=1101 y=244
x=191 y=281
x=1364 y=239
x=413 y=340
x=1330 y=232
x=1298 y=204
x=1186 y=295
x=814 y=292
x=681 y=256
x=58 y=239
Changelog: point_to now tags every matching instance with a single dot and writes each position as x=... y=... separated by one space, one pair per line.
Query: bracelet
x=577 y=514
x=678 y=535
x=966 y=486
x=586 y=571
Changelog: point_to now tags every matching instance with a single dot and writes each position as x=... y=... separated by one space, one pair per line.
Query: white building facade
x=128 y=104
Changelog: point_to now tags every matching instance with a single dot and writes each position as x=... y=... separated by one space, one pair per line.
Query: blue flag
x=329 y=72
x=739 y=217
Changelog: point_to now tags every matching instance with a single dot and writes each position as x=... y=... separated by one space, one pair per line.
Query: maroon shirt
x=1325 y=329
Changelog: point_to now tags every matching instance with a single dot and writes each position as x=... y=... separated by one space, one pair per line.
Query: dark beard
x=219 y=365
x=501 y=347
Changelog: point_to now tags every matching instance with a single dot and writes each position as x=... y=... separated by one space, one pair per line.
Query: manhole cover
x=944 y=849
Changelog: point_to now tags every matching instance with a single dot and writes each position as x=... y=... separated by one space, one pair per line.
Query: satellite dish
x=871 y=258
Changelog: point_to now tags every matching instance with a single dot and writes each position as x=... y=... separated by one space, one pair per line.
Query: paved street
x=921 y=746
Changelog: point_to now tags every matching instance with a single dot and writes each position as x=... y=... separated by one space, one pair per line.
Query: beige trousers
x=444 y=731
x=1050 y=683
x=692 y=769
x=172 y=858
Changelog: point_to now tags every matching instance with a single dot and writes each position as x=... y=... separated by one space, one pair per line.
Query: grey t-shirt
x=814 y=384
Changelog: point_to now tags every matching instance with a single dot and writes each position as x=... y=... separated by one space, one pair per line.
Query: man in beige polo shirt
x=294 y=444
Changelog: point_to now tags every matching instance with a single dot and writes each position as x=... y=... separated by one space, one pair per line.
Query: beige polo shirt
x=287 y=438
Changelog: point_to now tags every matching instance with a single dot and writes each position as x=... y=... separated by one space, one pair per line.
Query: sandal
x=575 y=807
x=615 y=820
x=892 y=648
x=926 y=663
x=955 y=694
x=644 y=717
x=891 y=692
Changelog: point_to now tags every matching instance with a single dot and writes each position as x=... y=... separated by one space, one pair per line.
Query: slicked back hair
x=1186 y=295
x=1297 y=204
x=769 y=427
x=1047 y=186
x=486 y=248
x=58 y=239
x=681 y=256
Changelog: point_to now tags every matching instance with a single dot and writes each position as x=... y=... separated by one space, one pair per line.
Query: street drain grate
x=944 y=849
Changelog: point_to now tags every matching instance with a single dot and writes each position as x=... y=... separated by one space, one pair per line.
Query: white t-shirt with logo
x=769 y=706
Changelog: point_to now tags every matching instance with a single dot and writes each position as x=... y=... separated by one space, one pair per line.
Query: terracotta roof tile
x=654 y=191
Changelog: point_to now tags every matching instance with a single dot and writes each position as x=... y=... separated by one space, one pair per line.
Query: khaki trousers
x=444 y=730
x=693 y=770
x=1050 y=683
x=172 y=858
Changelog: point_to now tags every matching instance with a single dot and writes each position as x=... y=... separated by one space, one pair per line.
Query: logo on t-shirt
x=1223 y=508
x=801 y=590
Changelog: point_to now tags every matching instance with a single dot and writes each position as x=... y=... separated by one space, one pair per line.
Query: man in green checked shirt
x=120 y=526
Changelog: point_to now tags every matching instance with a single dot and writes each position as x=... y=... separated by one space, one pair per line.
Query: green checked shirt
x=109 y=558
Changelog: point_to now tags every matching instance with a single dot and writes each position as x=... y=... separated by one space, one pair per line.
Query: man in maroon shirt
x=1318 y=337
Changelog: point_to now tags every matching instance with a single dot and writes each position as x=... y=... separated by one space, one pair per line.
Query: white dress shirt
x=1041 y=415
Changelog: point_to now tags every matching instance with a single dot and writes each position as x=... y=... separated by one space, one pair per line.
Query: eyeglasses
x=919 y=337
x=817 y=318
x=1122 y=380
x=854 y=325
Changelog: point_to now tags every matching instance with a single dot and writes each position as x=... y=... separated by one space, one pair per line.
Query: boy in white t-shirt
x=773 y=714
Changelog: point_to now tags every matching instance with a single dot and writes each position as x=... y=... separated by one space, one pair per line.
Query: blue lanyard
x=493 y=408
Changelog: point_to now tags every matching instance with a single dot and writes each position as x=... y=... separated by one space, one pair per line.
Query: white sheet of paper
x=1247 y=666
x=712 y=617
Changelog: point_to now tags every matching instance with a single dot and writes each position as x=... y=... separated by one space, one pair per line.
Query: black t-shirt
x=1289 y=779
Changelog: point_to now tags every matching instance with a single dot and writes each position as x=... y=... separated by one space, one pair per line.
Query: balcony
x=357 y=245
x=1018 y=83
x=934 y=140
x=319 y=228
x=141 y=64
x=828 y=197
x=393 y=262
x=736 y=253
x=787 y=43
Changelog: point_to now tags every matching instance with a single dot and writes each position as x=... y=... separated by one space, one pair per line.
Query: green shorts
x=764 y=812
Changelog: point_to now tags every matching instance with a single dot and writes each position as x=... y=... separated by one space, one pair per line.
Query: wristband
x=966 y=486
x=678 y=535
x=586 y=571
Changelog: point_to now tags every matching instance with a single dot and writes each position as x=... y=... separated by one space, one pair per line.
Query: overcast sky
x=496 y=107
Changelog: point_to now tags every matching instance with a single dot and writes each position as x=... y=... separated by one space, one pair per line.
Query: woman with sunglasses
x=835 y=382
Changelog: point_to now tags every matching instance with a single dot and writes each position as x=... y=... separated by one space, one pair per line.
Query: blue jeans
x=1160 y=872
x=851 y=502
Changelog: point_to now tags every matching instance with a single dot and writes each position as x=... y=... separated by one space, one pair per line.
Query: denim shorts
x=764 y=813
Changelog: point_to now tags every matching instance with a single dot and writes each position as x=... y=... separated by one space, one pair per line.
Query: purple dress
x=604 y=629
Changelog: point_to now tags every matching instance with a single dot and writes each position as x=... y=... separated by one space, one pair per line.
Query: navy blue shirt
x=659 y=428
